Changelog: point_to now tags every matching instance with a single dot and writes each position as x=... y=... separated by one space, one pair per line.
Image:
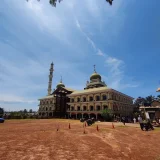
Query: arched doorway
x=50 y=114
x=99 y=117
x=79 y=115
x=73 y=115
x=92 y=115
x=85 y=115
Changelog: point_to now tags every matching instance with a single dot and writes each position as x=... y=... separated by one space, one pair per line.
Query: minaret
x=94 y=68
x=50 y=79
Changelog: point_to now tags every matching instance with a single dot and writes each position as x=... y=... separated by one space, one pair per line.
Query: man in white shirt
x=140 y=122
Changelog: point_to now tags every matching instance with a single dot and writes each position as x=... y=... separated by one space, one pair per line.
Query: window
x=84 y=99
x=84 y=108
x=98 y=108
x=72 y=108
x=46 y=109
x=97 y=98
x=78 y=108
x=50 y=108
x=105 y=107
x=91 y=108
x=72 y=99
x=90 y=98
x=104 y=97
x=78 y=99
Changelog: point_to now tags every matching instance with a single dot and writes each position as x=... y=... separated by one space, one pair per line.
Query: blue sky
x=122 y=40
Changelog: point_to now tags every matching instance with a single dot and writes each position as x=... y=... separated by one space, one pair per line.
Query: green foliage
x=107 y=114
x=140 y=101
x=30 y=111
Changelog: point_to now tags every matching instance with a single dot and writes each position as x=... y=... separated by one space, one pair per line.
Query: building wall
x=47 y=106
x=155 y=103
x=118 y=103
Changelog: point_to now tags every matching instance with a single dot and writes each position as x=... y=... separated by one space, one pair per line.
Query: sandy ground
x=40 y=140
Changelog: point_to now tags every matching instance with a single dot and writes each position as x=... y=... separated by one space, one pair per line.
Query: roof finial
x=94 y=68
x=61 y=79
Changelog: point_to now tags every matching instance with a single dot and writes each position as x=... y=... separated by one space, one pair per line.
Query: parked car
x=1 y=120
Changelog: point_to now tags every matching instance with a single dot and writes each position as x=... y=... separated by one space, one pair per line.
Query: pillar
x=82 y=115
x=89 y=115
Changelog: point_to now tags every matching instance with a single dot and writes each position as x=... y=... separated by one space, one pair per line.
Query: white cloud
x=14 y=99
x=100 y=53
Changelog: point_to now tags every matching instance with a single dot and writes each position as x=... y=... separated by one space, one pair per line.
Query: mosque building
x=64 y=102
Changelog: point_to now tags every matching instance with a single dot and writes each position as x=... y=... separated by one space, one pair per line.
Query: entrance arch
x=92 y=115
x=79 y=115
x=85 y=115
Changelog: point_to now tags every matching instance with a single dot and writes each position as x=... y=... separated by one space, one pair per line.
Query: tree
x=107 y=114
x=139 y=101
x=54 y=2
x=158 y=97
x=1 y=112
x=30 y=111
x=25 y=111
x=149 y=99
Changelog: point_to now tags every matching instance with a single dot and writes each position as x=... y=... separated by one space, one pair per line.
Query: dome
x=60 y=85
x=95 y=76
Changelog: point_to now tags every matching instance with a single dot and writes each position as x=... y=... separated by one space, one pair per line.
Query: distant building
x=89 y=102
x=152 y=111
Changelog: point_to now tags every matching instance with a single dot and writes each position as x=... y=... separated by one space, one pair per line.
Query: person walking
x=140 y=122
x=123 y=120
x=134 y=120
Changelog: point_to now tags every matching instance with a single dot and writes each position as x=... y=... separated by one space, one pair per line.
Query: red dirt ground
x=40 y=140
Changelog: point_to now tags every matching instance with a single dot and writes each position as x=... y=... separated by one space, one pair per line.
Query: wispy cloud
x=115 y=66
x=100 y=53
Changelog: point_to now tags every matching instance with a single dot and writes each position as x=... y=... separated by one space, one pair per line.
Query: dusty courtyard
x=40 y=140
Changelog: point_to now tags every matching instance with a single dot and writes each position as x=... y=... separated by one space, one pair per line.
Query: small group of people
x=145 y=124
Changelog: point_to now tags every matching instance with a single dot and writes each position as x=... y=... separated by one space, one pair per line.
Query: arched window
x=84 y=99
x=78 y=99
x=72 y=100
x=46 y=109
x=105 y=107
x=98 y=108
x=72 y=108
x=97 y=98
x=84 y=108
x=90 y=98
x=91 y=108
x=104 y=97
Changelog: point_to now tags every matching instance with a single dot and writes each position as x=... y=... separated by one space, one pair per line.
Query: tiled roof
x=46 y=97
x=90 y=90
x=69 y=89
